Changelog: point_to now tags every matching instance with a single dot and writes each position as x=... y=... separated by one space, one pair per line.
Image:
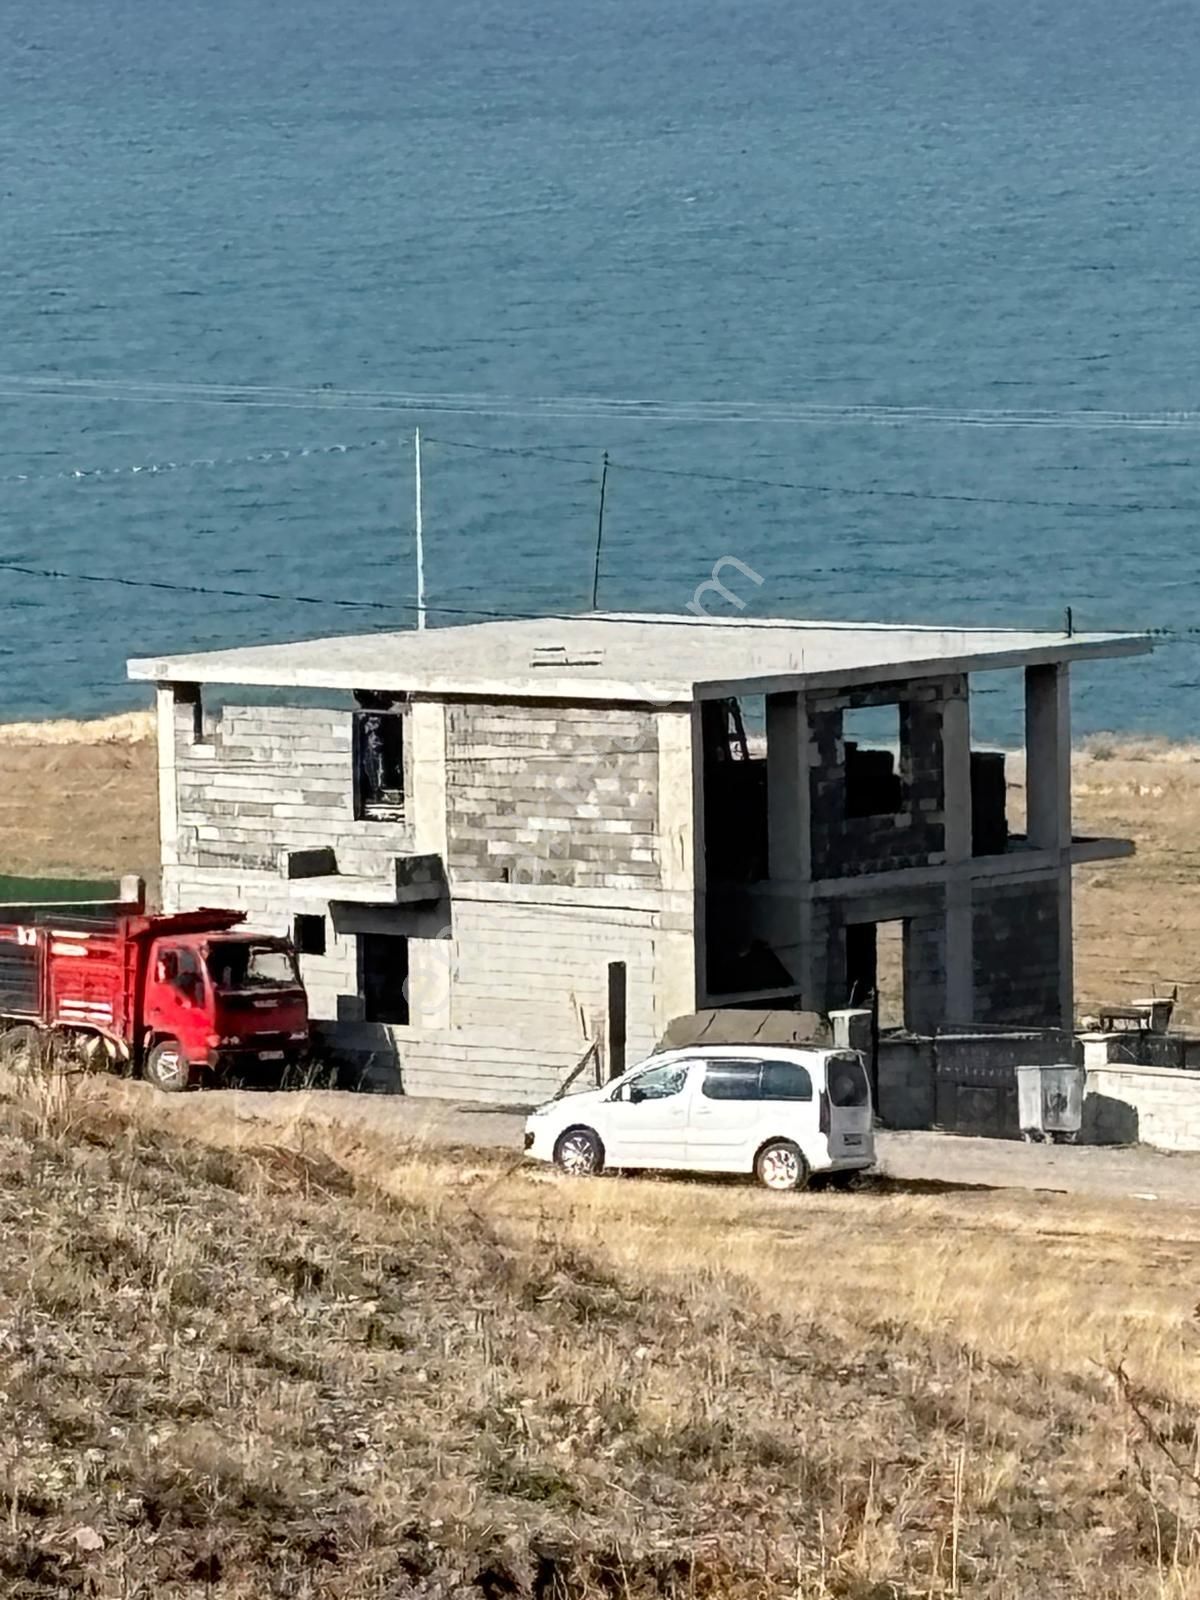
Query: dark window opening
x=379 y=764
x=873 y=786
x=989 y=803
x=308 y=934
x=735 y=790
x=383 y=977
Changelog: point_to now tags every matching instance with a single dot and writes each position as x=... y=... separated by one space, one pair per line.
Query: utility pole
x=599 y=534
x=420 y=532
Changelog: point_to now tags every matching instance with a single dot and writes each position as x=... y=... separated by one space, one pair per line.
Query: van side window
x=847 y=1081
x=731 y=1080
x=786 y=1080
x=660 y=1083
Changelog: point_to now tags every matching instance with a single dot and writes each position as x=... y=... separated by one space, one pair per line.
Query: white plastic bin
x=1050 y=1101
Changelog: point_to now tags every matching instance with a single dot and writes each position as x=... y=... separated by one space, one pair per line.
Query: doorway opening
x=875 y=970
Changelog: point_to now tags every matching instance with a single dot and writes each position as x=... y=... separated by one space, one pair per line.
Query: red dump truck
x=180 y=999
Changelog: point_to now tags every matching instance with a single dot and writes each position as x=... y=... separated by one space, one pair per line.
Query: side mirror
x=636 y=1095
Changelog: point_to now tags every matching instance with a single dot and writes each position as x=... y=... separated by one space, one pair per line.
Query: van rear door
x=851 y=1123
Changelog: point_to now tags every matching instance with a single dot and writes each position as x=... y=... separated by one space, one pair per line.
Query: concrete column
x=699 y=871
x=1048 y=756
x=960 y=953
x=427 y=768
x=956 y=804
x=956 y=773
x=430 y=959
x=789 y=837
x=168 y=790
x=1048 y=800
x=678 y=947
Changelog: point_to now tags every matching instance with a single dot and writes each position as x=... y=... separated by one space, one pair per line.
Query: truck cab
x=218 y=1004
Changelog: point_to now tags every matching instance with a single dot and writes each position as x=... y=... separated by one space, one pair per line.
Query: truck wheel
x=165 y=1067
x=19 y=1046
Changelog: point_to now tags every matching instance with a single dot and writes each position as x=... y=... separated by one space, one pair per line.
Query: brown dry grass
x=316 y=1365
x=79 y=799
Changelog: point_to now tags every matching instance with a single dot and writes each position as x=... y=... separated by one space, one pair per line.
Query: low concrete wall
x=1126 y=1104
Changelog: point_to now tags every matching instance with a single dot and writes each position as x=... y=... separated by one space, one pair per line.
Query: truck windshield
x=251 y=966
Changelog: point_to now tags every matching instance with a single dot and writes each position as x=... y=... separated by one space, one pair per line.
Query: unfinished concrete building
x=495 y=844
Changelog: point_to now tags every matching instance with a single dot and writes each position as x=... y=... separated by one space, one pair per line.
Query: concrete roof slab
x=628 y=657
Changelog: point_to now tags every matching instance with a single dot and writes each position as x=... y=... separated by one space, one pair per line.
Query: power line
x=1107 y=507
x=1182 y=632
x=807 y=413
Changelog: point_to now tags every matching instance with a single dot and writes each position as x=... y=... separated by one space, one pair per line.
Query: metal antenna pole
x=599 y=534
x=420 y=533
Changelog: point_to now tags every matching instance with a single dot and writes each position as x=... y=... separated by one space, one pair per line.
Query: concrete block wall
x=268 y=779
x=1017 y=952
x=916 y=836
x=564 y=850
x=560 y=795
x=542 y=970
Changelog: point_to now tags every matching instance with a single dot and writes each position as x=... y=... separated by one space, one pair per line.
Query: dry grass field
x=324 y=1364
x=317 y=1366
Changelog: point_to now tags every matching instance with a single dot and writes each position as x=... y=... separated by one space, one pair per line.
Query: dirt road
x=937 y=1159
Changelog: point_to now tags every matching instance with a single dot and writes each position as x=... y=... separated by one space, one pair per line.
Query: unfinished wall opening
x=308 y=934
x=997 y=765
x=189 y=711
x=378 y=759
x=871 y=751
x=735 y=789
x=383 y=977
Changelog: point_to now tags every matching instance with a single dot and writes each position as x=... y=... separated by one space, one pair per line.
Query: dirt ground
x=80 y=799
x=287 y=1358
x=935 y=1161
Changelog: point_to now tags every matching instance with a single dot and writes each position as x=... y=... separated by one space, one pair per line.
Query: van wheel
x=165 y=1067
x=579 y=1153
x=779 y=1165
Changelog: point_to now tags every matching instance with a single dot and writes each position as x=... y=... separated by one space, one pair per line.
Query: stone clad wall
x=562 y=795
x=844 y=846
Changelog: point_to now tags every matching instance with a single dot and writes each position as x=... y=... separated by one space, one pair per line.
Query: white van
x=782 y=1114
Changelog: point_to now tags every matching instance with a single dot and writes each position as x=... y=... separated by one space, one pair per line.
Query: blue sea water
x=915 y=203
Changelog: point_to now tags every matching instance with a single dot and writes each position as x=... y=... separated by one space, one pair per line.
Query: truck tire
x=165 y=1067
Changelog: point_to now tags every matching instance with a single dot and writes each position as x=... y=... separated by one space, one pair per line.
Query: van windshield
x=251 y=966
x=847 y=1081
